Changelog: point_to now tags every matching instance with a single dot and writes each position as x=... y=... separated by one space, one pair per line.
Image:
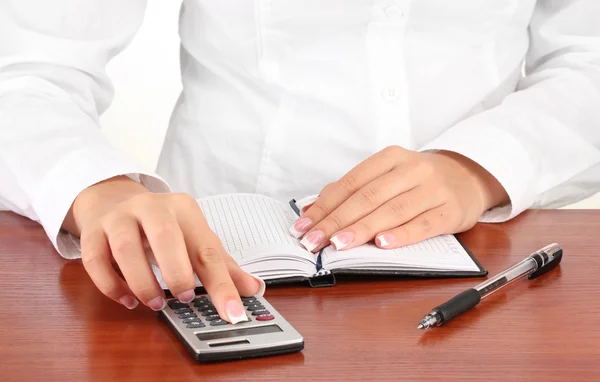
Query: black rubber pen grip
x=458 y=304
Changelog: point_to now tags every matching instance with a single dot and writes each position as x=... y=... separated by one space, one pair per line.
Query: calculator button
x=190 y=320
x=265 y=317
x=187 y=315
x=209 y=312
x=195 y=324
x=202 y=307
x=248 y=298
x=183 y=310
x=259 y=312
x=255 y=307
x=176 y=304
x=218 y=323
x=201 y=300
x=212 y=317
x=250 y=301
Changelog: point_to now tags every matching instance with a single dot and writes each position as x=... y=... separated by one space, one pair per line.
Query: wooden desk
x=54 y=324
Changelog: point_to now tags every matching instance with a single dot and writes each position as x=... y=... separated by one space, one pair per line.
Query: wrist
x=99 y=196
x=492 y=192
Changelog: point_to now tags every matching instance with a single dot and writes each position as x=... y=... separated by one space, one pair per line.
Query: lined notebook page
x=246 y=221
x=441 y=252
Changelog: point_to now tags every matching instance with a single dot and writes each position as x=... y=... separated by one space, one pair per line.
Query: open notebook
x=254 y=230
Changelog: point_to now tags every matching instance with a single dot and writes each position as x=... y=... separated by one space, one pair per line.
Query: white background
x=147 y=84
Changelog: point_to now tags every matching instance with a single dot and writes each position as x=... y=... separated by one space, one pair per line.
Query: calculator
x=209 y=338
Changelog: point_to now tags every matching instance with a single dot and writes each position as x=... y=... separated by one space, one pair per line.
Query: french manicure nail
x=129 y=302
x=342 y=240
x=186 y=296
x=312 y=240
x=157 y=303
x=300 y=227
x=235 y=311
x=262 y=286
x=385 y=240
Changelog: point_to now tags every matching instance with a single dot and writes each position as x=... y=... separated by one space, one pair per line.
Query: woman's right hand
x=119 y=218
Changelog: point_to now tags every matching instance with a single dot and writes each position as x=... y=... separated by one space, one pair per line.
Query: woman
x=410 y=118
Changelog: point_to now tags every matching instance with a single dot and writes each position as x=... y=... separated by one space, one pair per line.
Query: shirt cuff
x=74 y=173
x=500 y=154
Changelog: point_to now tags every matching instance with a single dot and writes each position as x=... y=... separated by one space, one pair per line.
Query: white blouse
x=281 y=97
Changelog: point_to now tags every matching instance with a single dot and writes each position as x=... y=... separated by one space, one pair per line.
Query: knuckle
x=320 y=209
x=111 y=290
x=178 y=282
x=209 y=255
x=90 y=258
x=144 y=199
x=425 y=168
x=363 y=226
x=334 y=222
x=327 y=188
x=224 y=287
x=393 y=150
x=426 y=224
x=397 y=208
x=369 y=194
x=348 y=183
x=144 y=292
x=182 y=198
x=113 y=218
x=164 y=230
x=122 y=242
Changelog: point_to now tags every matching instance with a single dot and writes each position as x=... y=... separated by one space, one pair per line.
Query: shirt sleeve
x=53 y=87
x=542 y=143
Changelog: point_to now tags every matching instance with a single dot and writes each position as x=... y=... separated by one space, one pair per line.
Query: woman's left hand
x=399 y=197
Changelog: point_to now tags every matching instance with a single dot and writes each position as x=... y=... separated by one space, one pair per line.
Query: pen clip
x=553 y=255
x=295 y=207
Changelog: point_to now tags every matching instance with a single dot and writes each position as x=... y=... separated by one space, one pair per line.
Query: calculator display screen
x=238 y=332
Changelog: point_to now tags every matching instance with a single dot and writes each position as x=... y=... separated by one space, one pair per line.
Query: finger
x=125 y=243
x=95 y=255
x=361 y=204
x=336 y=193
x=391 y=214
x=429 y=224
x=207 y=256
x=246 y=283
x=166 y=240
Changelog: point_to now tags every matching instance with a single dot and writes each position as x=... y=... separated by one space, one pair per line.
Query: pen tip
x=420 y=326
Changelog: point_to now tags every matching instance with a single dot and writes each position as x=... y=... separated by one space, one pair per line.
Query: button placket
x=385 y=42
x=268 y=66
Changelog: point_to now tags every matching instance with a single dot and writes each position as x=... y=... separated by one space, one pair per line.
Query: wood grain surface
x=55 y=325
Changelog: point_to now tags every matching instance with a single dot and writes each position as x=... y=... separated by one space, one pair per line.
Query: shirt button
x=390 y=94
x=394 y=12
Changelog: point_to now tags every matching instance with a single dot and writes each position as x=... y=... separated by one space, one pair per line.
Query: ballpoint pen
x=536 y=264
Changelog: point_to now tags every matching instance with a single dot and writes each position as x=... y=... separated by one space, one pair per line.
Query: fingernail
x=235 y=311
x=186 y=296
x=385 y=240
x=262 y=286
x=157 y=303
x=342 y=240
x=312 y=240
x=129 y=302
x=300 y=227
